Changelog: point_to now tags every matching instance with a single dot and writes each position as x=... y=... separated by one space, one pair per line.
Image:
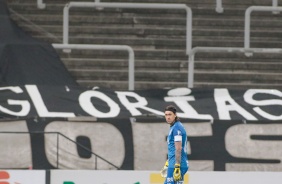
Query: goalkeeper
x=177 y=164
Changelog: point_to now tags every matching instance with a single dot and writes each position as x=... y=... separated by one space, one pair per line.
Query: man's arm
x=178 y=147
x=177 y=172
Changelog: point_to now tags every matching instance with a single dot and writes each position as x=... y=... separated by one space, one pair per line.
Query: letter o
x=87 y=106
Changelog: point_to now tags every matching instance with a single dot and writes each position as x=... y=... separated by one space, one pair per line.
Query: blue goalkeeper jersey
x=177 y=132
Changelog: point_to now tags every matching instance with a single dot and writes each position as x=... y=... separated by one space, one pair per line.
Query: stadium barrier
x=40 y=4
x=132 y=177
x=134 y=6
x=248 y=12
x=218 y=9
x=248 y=52
x=131 y=57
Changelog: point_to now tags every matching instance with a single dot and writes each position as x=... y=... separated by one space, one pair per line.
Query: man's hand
x=164 y=170
x=176 y=172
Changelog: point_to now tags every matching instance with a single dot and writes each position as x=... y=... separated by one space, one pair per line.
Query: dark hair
x=172 y=109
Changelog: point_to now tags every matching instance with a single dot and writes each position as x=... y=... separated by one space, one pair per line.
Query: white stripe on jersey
x=178 y=138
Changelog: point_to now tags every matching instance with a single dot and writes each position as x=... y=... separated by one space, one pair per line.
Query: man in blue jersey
x=177 y=163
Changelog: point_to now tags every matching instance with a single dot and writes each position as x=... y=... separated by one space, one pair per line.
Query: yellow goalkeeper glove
x=164 y=170
x=176 y=172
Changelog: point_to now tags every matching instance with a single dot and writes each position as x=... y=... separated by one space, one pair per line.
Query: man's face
x=169 y=117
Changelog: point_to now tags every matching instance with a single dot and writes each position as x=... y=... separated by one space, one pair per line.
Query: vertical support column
x=40 y=4
x=131 y=69
x=188 y=30
x=219 y=8
x=247 y=31
x=191 y=70
x=275 y=4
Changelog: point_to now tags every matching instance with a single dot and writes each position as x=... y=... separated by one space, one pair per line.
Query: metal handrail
x=248 y=17
x=40 y=4
x=274 y=3
x=222 y=49
x=130 y=5
x=58 y=133
x=220 y=9
x=131 y=60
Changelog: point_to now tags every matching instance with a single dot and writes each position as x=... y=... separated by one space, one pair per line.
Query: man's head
x=170 y=114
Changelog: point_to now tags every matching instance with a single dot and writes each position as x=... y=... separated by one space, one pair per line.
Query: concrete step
x=161 y=54
x=174 y=44
x=175 y=65
x=188 y=2
x=82 y=18
x=123 y=85
x=172 y=55
x=150 y=34
x=149 y=31
x=268 y=67
x=243 y=85
x=238 y=77
x=119 y=64
x=180 y=76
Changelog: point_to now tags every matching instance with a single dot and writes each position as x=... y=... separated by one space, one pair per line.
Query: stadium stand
x=158 y=40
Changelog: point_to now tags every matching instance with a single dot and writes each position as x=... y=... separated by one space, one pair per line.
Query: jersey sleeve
x=177 y=134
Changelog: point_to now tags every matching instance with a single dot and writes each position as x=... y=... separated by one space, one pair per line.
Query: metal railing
x=246 y=49
x=74 y=142
x=222 y=49
x=131 y=59
x=40 y=4
x=219 y=8
x=133 y=6
x=248 y=21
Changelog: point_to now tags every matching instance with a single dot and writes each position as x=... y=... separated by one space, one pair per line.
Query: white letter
x=249 y=98
x=239 y=144
x=222 y=96
x=40 y=106
x=140 y=103
x=24 y=103
x=178 y=96
x=87 y=106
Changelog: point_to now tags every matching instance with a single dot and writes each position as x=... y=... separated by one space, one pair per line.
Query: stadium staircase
x=158 y=39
